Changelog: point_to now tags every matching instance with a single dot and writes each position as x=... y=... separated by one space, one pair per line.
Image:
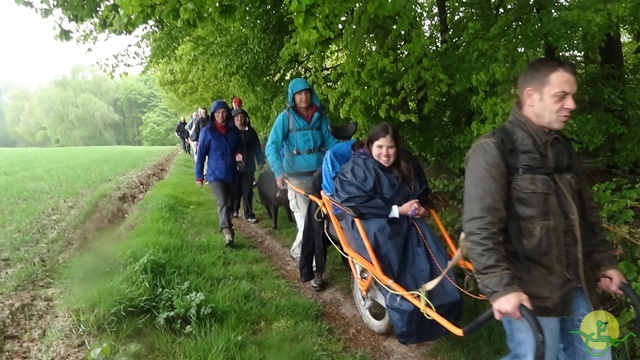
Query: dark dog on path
x=271 y=197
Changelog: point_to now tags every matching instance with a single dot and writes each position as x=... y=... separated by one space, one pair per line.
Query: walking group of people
x=534 y=234
x=227 y=152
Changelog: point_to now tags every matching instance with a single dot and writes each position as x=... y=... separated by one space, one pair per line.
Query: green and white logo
x=600 y=330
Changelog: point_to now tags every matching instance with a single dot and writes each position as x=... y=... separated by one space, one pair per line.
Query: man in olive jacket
x=558 y=253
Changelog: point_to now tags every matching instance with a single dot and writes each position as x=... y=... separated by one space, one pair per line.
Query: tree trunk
x=135 y=119
x=549 y=48
x=442 y=20
x=611 y=56
x=612 y=70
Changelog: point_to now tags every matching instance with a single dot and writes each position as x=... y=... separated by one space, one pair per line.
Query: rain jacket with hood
x=408 y=250
x=220 y=150
x=304 y=143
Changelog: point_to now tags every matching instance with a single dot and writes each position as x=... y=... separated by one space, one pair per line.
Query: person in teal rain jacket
x=297 y=143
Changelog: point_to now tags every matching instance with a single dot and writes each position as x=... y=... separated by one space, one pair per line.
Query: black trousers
x=185 y=146
x=245 y=193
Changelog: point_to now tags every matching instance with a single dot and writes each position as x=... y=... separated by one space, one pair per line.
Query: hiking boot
x=235 y=214
x=318 y=282
x=252 y=220
x=228 y=237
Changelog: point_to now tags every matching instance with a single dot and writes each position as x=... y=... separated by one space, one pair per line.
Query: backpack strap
x=510 y=156
x=293 y=129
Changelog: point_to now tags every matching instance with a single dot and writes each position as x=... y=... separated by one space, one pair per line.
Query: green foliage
x=159 y=126
x=175 y=306
x=619 y=200
x=445 y=71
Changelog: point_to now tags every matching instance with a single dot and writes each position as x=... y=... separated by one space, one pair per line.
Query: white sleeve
x=394 y=213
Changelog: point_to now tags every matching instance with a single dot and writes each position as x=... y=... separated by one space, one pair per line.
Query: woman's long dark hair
x=402 y=166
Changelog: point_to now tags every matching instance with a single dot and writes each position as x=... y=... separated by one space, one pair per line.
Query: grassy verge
x=487 y=343
x=169 y=289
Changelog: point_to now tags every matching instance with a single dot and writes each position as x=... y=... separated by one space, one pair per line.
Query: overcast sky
x=29 y=53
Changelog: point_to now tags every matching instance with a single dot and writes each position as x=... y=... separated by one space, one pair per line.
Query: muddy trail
x=339 y=308
x=32 y=327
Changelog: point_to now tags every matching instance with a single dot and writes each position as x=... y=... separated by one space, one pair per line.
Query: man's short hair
x=537 y=73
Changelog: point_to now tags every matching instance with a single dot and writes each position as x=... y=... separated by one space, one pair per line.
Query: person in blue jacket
x=222 y=143
x=297 y=143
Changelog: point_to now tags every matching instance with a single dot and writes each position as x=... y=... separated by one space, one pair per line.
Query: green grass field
x=46 y=189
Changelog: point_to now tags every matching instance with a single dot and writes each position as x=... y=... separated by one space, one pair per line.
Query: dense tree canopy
x=443 y=69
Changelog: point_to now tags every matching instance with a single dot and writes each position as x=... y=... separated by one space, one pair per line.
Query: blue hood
x=217 y=105
x=297 y=85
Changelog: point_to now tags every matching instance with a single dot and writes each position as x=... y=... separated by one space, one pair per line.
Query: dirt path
x=339 y=308
x=30 y=325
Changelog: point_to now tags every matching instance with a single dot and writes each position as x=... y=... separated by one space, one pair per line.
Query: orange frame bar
x=373 y=266
x=374 y=269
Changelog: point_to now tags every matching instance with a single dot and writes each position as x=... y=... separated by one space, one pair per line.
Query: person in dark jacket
x=535 y=236
x=252 y=153
x=386 y=185
x=183 y=134
x=221 y=143
x=203 y=120
x=189 y=127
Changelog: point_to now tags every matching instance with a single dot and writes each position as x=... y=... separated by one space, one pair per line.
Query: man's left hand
x=610 y=281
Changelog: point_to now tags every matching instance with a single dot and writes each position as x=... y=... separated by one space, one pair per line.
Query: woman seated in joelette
x=389 y=188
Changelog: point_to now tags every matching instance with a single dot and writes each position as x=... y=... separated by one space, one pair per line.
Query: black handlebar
x=476 y=323
x=526 y=314
x=538 y=335
x=635 y=301
x=535 y=325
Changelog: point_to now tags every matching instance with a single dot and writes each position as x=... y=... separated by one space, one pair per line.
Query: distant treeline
x=86 y=107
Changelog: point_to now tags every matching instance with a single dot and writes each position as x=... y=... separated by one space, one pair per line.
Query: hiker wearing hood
x=222 y=144
x=297 y=143
x=252 y=152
